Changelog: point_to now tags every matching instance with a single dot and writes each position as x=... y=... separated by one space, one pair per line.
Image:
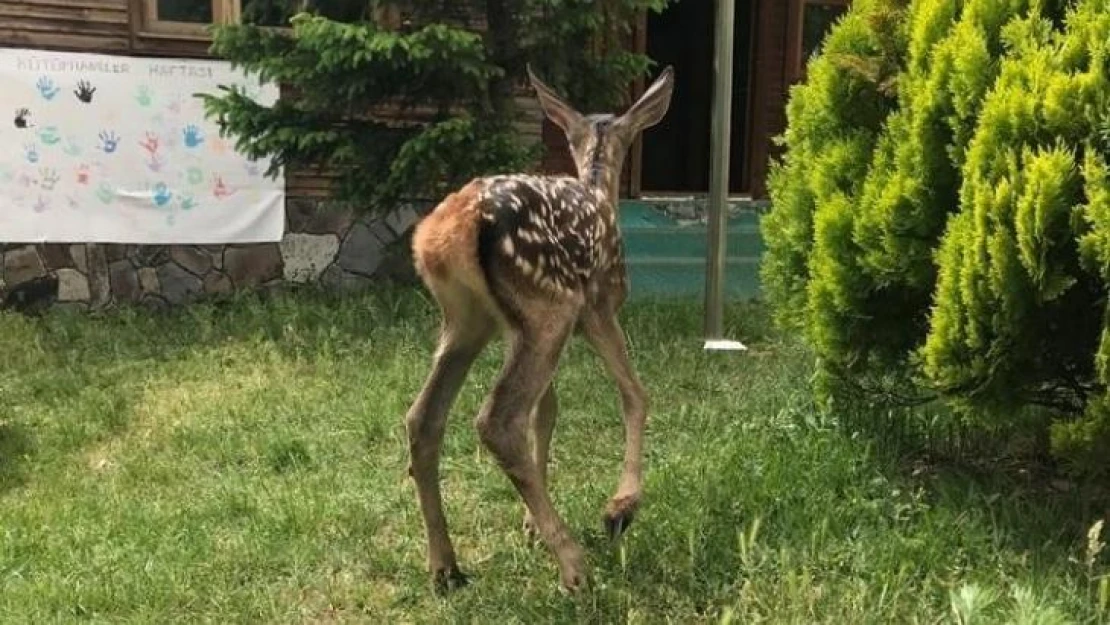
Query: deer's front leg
x=604 y=333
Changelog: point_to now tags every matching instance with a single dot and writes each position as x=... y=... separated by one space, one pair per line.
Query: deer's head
x=599 y=142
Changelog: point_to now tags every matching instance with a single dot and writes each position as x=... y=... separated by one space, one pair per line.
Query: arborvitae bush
x=941 y=214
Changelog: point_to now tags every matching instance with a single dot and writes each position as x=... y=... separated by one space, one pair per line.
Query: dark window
x=269 y=12
x=192 y=11
x=816 y=23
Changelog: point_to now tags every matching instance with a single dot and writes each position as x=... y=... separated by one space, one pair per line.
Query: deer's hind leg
x=466 y=329
x=543 y=426
x=535 y=344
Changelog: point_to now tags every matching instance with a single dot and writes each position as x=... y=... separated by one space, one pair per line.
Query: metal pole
x=720 y=141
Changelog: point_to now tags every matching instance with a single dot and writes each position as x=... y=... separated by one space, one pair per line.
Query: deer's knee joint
x=504 y=438
x=635 y=400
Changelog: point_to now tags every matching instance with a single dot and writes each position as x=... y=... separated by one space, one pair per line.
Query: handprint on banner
x=47 y=88
x=162 y=194
x=49 y=178
x=72 y=148
x=41 y=205
x=109 y=141
x=193 y=136
x=84 y=91
x=31 y=152
x=83 y=174
x=187 y=202
x=175 y=104
x=143 y=96
x=105 y=193
x=22 y=120
x=155 y=163
x=49 y=135
x=220 y=189
x=219 y=146
x=150 y=143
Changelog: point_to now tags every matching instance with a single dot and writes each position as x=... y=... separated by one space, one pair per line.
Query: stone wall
x=330 y=247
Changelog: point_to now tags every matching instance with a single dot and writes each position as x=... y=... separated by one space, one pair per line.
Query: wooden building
x=773 y=39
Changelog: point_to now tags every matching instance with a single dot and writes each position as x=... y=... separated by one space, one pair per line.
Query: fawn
x=538 y=258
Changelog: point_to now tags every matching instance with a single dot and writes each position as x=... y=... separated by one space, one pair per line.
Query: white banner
x=111 y=149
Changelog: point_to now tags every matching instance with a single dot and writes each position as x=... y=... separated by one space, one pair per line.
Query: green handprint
x=71 y=148
x=105 y=193
x=196 y=176
x=143 y=96
x=49 y=135
x=187 y=202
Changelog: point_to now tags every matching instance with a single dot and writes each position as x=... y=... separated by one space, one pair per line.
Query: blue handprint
x=109 y=141
x=47 y=88
x=162 y=194
x=193 y=136
x=31 y=152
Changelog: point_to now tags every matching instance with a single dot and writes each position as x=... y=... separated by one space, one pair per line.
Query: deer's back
x=554 y=232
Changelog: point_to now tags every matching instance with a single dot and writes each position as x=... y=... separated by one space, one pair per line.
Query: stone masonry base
x=336 y=249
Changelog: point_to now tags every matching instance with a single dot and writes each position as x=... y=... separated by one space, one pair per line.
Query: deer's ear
x=554 y=107
x=652 y=106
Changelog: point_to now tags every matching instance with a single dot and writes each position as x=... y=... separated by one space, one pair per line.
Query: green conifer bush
x=941 y=214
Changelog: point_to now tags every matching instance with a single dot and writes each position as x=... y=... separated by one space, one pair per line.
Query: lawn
x=244 y=462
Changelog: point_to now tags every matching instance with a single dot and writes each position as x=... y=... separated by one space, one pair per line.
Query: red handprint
x=150 y=143
x=221 y=190
x=83 y=174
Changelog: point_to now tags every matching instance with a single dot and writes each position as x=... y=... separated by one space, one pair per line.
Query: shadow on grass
x=82 y=374
x=16 y=446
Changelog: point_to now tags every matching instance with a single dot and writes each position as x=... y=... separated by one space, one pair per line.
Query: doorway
x=675 y=157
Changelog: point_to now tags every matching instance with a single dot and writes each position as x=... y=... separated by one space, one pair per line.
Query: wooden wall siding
x=78 y=25
x=115 y=26
x=769 y=89
x=311 y=183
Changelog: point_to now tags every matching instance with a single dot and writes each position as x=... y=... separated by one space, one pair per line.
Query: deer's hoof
x=448 y=579
x=573 y=574
x=618 y=516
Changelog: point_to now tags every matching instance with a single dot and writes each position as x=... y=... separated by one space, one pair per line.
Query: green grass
x=245 y=463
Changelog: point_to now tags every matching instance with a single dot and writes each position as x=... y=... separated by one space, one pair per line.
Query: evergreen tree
x=410 y=99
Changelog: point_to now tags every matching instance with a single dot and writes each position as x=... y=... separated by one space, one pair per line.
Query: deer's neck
x=605 y=179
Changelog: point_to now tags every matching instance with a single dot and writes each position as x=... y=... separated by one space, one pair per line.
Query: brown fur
x=441 y=240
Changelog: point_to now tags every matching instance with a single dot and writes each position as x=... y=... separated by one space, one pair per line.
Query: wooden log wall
x=115 y=27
